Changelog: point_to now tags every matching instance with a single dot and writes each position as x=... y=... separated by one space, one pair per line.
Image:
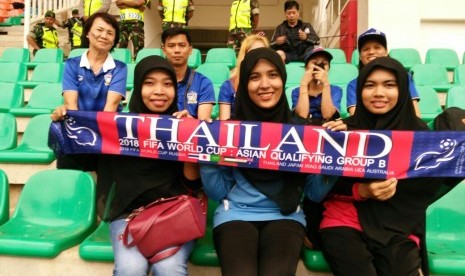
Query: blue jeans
x=129 y=261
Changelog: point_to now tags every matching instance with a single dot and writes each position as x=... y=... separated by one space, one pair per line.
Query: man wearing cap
x=74 y=35
x=43 y=35
x=316 y=100
x=372 y=44
x=293 y=37
x=243 y=21
x=132 y=23
x=175 y=13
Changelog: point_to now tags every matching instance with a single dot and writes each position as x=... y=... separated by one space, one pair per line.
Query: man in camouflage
x=243 y=21
x=69 y=24
x=132 y=23
x=44 y=34
x=175 y=13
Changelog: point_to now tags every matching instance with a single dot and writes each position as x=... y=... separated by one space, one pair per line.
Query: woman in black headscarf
x=138 y=181
x=258 y=226
x=377 y=227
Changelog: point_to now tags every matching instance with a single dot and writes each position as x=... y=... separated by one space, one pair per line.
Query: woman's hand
x=182 y=114
x=379 y=190
x=59 y=113
x=336 y=125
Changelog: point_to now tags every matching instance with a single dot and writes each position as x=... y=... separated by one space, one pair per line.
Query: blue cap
x=317 y=51
x=372 y=34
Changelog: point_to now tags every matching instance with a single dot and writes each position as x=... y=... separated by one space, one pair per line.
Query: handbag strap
x=152 y=219
x=164 y=254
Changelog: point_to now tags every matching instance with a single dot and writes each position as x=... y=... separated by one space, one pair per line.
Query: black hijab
x=285 y=188
x=145 y=66
x=401 y=117
x=138 y=181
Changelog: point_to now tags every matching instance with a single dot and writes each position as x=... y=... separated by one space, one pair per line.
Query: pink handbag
x=166 y=223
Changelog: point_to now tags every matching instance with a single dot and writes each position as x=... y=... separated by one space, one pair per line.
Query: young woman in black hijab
x=138 y=181
x=258 y=226
x=377 y=227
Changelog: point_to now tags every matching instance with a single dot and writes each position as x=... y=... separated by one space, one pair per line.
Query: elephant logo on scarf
x=83 y=136
x=434 y=158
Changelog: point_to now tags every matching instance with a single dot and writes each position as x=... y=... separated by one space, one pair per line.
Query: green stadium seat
x=342 y=74
x=445 y=233
x=97 y=246
x=343 y=111
x=12 y=72
x=76 y=52
x=56 y=211
x=204 y=253
x=44 y=73
x=338 y=55
x=216 y=108
x=122 y=54
x=4 y=198
x=295 y=71
x=216 y=72
x=430 y=106
x=11 y=96
x=44 y=99
x=15 y=55
x=33 y=148
x=314 y=260
x=46 y=56
x=442 y=56
x=456 y=97
x=195 y=58
x=130 y=78
x=459 y=74
x=145 y=52
x=355 y=59
x=407 y=56
x=8 y=131
x=432 y=75
x=222 y=55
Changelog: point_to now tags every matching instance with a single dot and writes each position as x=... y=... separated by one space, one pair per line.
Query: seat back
x=445 y=217
x=8 y=131
x=46 y=95
x=294 y=71
x=76 y=52
x=456 y=97
x=12 y=72
x=430 y=74
x=4 y=198
x=48 y=56
x=338 y=55
x=222 y=55
x=442 y=56
x=342 y=74
x=407 y=56
x=35 y=135
x=11 y=96
x=216 y=72
x=355 y=59
x=459 y=74
x=429 y=104
x=48 y=72
x=122 y=54
x=57 y=198
x=15 y=55
x=195 y=58
x=145 y=52
x=130 y=78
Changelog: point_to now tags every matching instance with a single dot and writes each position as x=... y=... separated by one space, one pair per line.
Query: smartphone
x=322 y=65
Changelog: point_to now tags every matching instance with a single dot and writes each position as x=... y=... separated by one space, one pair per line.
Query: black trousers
x=259 y=248
x=349 y=252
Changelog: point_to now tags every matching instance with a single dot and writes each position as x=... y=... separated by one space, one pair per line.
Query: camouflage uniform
x=167 y=24
x=237 y=34
x=38 y=34
x=132 y=29
x=69 y=24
